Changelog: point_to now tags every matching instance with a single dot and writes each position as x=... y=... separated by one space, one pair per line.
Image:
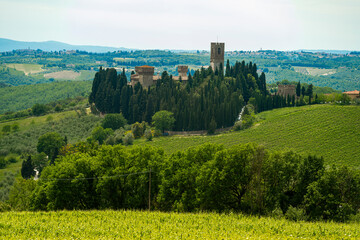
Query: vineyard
x=157 y=225
x=331 y=131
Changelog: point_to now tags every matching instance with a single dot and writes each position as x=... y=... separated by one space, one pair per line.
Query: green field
x=22 y=97
x=26 y=68
x=27 y=123
x=157 y=225
x=331 y=131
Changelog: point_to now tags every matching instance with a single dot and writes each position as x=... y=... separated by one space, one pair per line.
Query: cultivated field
x=331 y=131
x=63 y=75
x=156 y=225
x=26 y=68
x=315 y=71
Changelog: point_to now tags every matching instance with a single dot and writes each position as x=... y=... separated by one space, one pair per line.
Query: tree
x=50 y=144
x=100 y=134
x=212 y=126
x=114 y=121
x=163 y=120
x=298 y=89
x=303 y=91
x=27 y=168
x=309 y=92
x=39 y=109
x=6 y=129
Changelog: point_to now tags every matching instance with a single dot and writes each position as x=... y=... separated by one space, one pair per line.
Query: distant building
x=286 y=90
x=353 y=94
x=145 y=74
x=217 y=56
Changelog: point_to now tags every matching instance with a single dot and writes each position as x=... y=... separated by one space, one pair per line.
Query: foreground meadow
x=158 y=225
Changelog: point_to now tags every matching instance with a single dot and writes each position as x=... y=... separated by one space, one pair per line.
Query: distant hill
x=9 y=45
x=325 y=51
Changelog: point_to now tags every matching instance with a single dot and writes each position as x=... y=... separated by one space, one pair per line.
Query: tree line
x=245 y=178
x=207 y=96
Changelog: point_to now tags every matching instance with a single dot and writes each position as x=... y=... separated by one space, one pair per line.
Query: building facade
x=217 y=53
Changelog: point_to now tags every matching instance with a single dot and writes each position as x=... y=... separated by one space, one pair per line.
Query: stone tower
x=145 y=74
x=217 y=56
x=182 y=70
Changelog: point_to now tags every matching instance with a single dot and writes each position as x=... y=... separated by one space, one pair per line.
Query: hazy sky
x=186 y=24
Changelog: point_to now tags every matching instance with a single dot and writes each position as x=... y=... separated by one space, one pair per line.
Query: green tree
x=100 y=134
x=50 y=144
x=27 y=168
x=39 y=109
x=163 y=120
x=298 y=89
x=212 y=126
x=309 y=92
x=20 y=194
x=114 y=121
x=6 y=129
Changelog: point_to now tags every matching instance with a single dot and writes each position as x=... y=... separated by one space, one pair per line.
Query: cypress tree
x=298 y=89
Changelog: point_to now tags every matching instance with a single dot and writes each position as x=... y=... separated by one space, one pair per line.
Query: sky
x=186 y=24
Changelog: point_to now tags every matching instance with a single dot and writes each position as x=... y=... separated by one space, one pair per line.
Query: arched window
x=219 y=50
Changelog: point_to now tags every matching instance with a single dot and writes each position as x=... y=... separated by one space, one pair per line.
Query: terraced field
x=331 y=131
x=157 y=225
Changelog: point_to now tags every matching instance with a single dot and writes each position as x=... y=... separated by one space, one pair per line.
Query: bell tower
x=217 y=56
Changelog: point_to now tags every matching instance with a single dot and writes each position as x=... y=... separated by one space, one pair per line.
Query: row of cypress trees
x=205 y=97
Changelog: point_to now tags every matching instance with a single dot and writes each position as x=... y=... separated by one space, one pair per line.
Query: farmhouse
x=353 y=94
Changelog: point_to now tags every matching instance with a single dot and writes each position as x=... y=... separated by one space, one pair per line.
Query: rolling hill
x=331 y=131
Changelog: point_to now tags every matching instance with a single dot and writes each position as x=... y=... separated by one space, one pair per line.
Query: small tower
x=182 y=70
x=217 y=56
x=145 y=74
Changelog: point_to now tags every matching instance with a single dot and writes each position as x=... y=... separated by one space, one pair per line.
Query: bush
x=114 y=121
x=148 y=134
x=128 y=139
x=295 y=214
x=212 y=126
x=11 y=158
x=138 y=129
x=277 y=213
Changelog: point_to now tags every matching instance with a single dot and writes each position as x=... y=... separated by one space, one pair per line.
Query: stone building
x=217 y=56
x=145 y=74
x=286 y=90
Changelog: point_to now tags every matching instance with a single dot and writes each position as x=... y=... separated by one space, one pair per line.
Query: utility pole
x=150 y=189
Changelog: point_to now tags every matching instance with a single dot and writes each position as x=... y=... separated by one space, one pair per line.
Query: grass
x=156 y=225
x=27 y=123
x=26 y=68
x=330 y=131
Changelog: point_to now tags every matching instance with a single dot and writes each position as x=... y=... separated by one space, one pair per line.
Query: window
x=219 y=50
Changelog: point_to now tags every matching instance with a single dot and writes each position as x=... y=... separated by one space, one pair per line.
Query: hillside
x=330 y=131
x=17 y=98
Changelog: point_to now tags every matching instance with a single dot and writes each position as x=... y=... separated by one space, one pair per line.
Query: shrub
x=114 y=121
x=128 y=139
x=295 y=214
x=148 y=134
